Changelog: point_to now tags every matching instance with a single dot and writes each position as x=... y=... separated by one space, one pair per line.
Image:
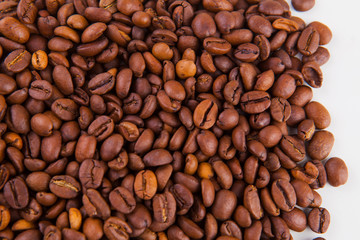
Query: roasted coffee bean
x=319 y=220
x=320 y=145
x=115 y=228
x=254 y=102
x=280 y=109
x=205 y=114
x=4 y=217
x=122 y=200
x=16 y=193
x=303 y=5
x=130 y=119
x=17 y=60
x=145 y=184
x=324 y=32
x=283 y=194
x=91 y=173
x=319 y=114
x=64 y=186
x=12 y=29
x=336 y=171
x=247 y=52
x=95 y=205
x=224 y=204
x=304 y=194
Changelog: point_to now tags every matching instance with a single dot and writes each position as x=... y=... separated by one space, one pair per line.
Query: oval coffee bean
x=64 y=186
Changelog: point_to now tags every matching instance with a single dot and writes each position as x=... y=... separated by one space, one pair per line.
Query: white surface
x=340 y=94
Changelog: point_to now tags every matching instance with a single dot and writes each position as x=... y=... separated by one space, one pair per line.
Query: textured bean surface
x=162 y=119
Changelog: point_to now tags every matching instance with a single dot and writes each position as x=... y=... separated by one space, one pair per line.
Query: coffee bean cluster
x=162 y=119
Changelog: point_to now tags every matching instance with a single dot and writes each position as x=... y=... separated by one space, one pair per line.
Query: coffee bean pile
x=162 y=119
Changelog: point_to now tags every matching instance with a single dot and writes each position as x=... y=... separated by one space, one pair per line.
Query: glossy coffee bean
x=336 y=171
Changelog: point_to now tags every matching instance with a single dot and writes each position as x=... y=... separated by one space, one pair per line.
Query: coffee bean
x=319 y=220
x=280 y=109
x=12 y=29
x=320 y=145
x=304 y=194
x=91 y=173
x=4 y=217
x=224 y=204
x=283 y=194
x=8 y=84
x=260 y=25
x=66 y=109
x=203 y=25
x=252 y=202
x=205 y=114
x=184 y=198
x=99 y=121
x=336 y=171
x=16 y=193
x=216 y=46
x=122 y=200
x=145 y=184
x=64 y=186
x=41 y=90
x=17 y=60
x=247 y=52
x=308 y=41
x=303 y=5
x=95 y=205
x=115 y=228
x=319 y=114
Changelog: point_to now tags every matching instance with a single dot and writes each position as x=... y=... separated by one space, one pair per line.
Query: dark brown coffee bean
x=66 y=109
x=16 y=193
x=164 y=207
x=336 y=171
x=64 y=186
x=216 y=6
x=216 y=46
x=303 y=5
x=18 y=32
x=8 y=84
x=321 y=56
x=317 y=112
x=320 y=145
x=224 y=204
x=304 y=194
x=260 y=25
x=184 y=198
x=95 y=205
x=115 y=228
x=319 y=220
x=283 y=194
x=254 y=231
x=324 y=32
x=255 y=102
x=280 y=109
x=203 y=25
x=122 y=200
x=247 y=52
x=264 y=46
x=205 y=114
x=308 y=41
x=252 y=202
x=293 y=147
x=91 y=173
x=17 y=60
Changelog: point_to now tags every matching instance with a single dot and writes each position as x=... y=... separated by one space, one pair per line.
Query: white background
x=341 y=96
